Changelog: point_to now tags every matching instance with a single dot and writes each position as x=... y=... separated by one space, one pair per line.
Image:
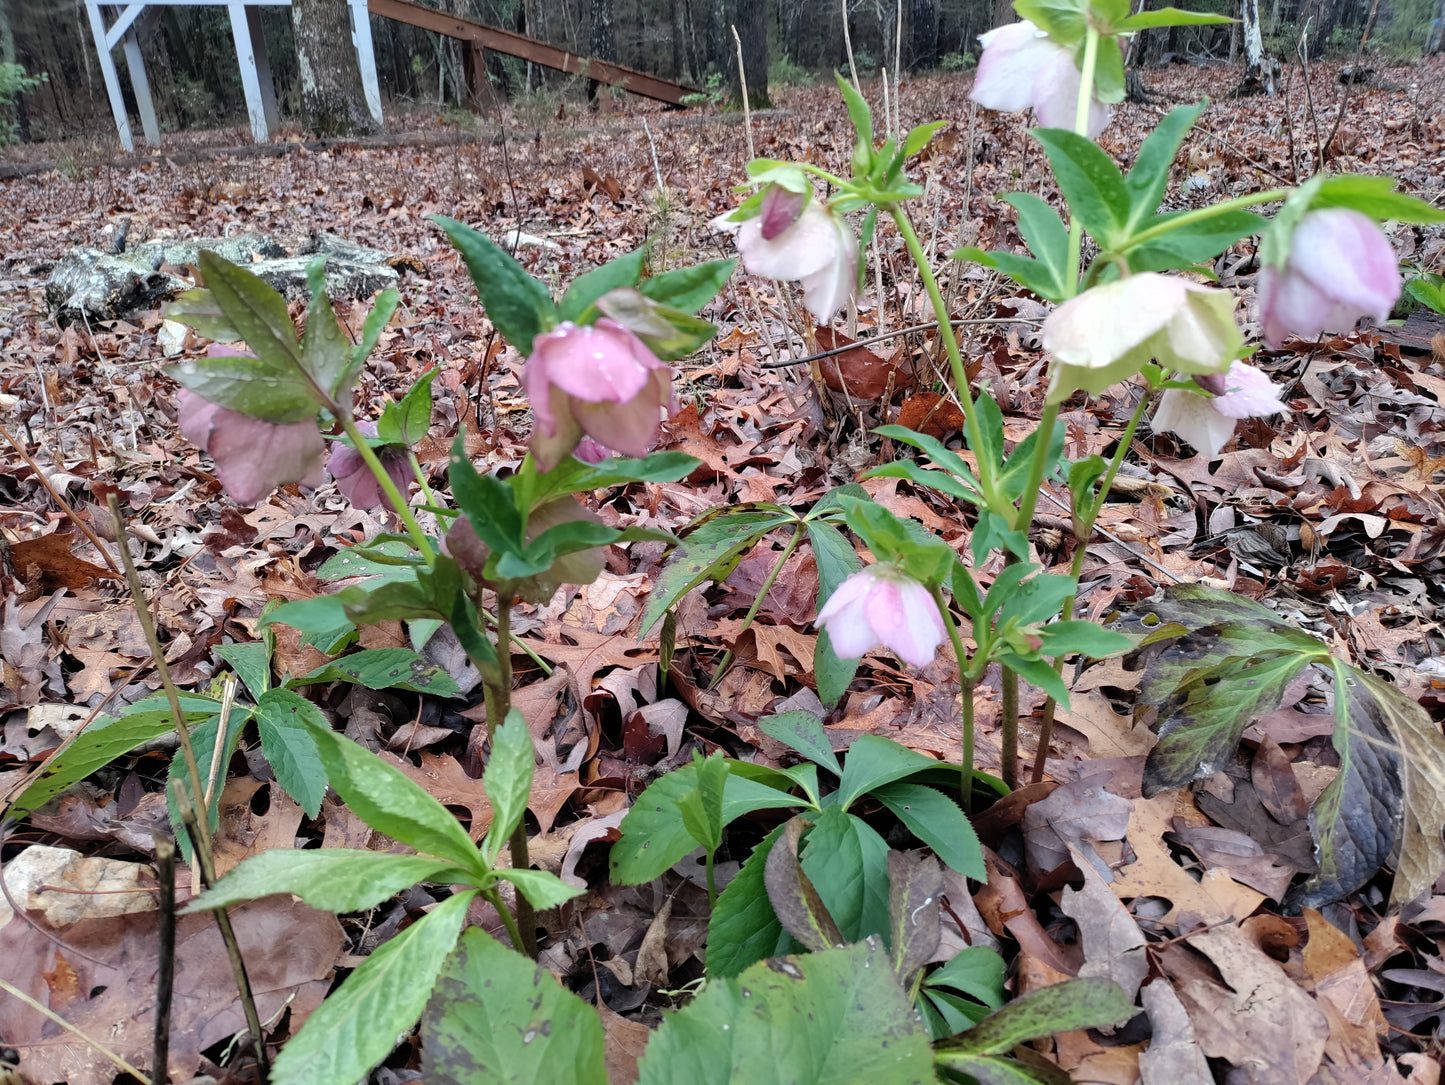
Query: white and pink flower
x=1023 y=68
x=1207 y=421
x=879 y=606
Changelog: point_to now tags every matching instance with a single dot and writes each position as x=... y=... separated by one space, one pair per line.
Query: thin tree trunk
x=332 y=100
x=1259 y=70
x=923 y=36
x=752 y=28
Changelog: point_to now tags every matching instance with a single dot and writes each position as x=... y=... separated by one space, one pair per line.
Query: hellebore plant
x=598 y=377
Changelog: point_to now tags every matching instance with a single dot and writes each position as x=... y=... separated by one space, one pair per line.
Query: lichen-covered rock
x=94 y=285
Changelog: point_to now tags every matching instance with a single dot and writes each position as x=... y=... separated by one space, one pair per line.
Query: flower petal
x=828 y=289
x=253 y=456
x=601 y=363
x=807 y=246
x=1248 y=394
x=1011 y=57
x=1192 y=416
x=780 y=209
x=1056 y=95
x=549 y=446
x=1346 y=257
x=631 y=427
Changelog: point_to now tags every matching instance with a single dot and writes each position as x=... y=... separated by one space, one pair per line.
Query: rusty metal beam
x=538 y=52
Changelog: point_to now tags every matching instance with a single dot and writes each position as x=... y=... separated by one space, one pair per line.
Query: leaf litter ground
x=1331 y=515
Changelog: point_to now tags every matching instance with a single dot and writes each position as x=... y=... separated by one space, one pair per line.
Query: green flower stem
x=1189 y=218
x=965 y=681
x=1083 y=532
x=420 y=475
x=497 y=692
x=986 y=478
x=1081 y=126
x=388 y=487
x=495 y=900
x=711 y=882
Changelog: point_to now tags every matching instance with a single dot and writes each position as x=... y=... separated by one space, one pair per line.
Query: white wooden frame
x=250 y=52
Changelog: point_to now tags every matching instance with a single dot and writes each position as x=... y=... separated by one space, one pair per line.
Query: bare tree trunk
x=681 y=68
x=1437 y=30
x=1003 y=12
x=752 y=28
x=1259 y=70
x=923 y=35
x=332 y=100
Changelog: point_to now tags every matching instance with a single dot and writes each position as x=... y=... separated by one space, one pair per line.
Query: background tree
x=752 y=27
x=332 y=100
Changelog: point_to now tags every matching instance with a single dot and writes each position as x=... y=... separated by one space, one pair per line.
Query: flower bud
x=880 y=606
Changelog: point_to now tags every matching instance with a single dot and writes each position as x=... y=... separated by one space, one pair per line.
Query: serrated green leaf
x=847 y=862
x=259 y=387
x=830 y=1018
x=286 y=722
x=251 y=662
x=105 y=740
x=976 y=971
x=487 y=501
x=743 y=928
x=653 y=835
x=802 y=731
x=574 y=476
x=519 y=306
x=937 y=821
x=587 y=288
x=542 y=888
x=383 y=668
x=873 y=761
x=508 y=781
x=405 y=421
x=1375 y=197
x=325 y=346
x=1153 y=20
x=358 y=1025
x=1046 y=236
x=331 y=879
x=708 y=553
x=389 y=802
x=376 y=321
x=497 y=1018
x=1090 y=182
x=689 y=288
x=178 y=776
x=1149 y=176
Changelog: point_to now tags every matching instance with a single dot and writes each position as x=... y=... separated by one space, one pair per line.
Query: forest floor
x=1331 y=512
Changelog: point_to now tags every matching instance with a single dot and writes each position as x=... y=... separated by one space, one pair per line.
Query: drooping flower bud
x=879 y=606
x=1340 y=267
x=816 y=248
x=600 y=380
x=253 y=457
x=354 y=478
x=1023 y=68
x=1107 y=333
x=1207 y=422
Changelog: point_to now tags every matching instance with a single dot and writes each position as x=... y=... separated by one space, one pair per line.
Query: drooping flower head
x=880 y=606
x=1207 y=421
x=795 y=237
x=1023 y=68
x=253 y=456
x=1340 y=267
x=1108 y=333
x=355 y=480
x=600 y=380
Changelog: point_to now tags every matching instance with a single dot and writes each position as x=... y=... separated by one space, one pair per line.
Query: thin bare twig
x=64 y=504
x=63 y=1023
x=165 y=955
x=197 y=827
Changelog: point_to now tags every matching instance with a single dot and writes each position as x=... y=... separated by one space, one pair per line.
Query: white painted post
x=263 y=68
x=361 y=38
x=112 y=79
x=142 y=88
x=246 y=55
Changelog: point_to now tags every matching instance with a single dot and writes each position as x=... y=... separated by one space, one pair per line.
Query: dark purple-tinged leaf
x=797 y=904
x=915 y=891
x=1200 y=724
x=1062 y=1007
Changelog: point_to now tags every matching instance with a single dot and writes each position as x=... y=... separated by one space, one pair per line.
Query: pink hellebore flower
x=881 y=606
x=599 y=380
x=1207 y=422
x=252 y=456
x=355 y=480
x=794 y=237
x=1022 y=67
x=1108 y=333
x=1341 y=267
